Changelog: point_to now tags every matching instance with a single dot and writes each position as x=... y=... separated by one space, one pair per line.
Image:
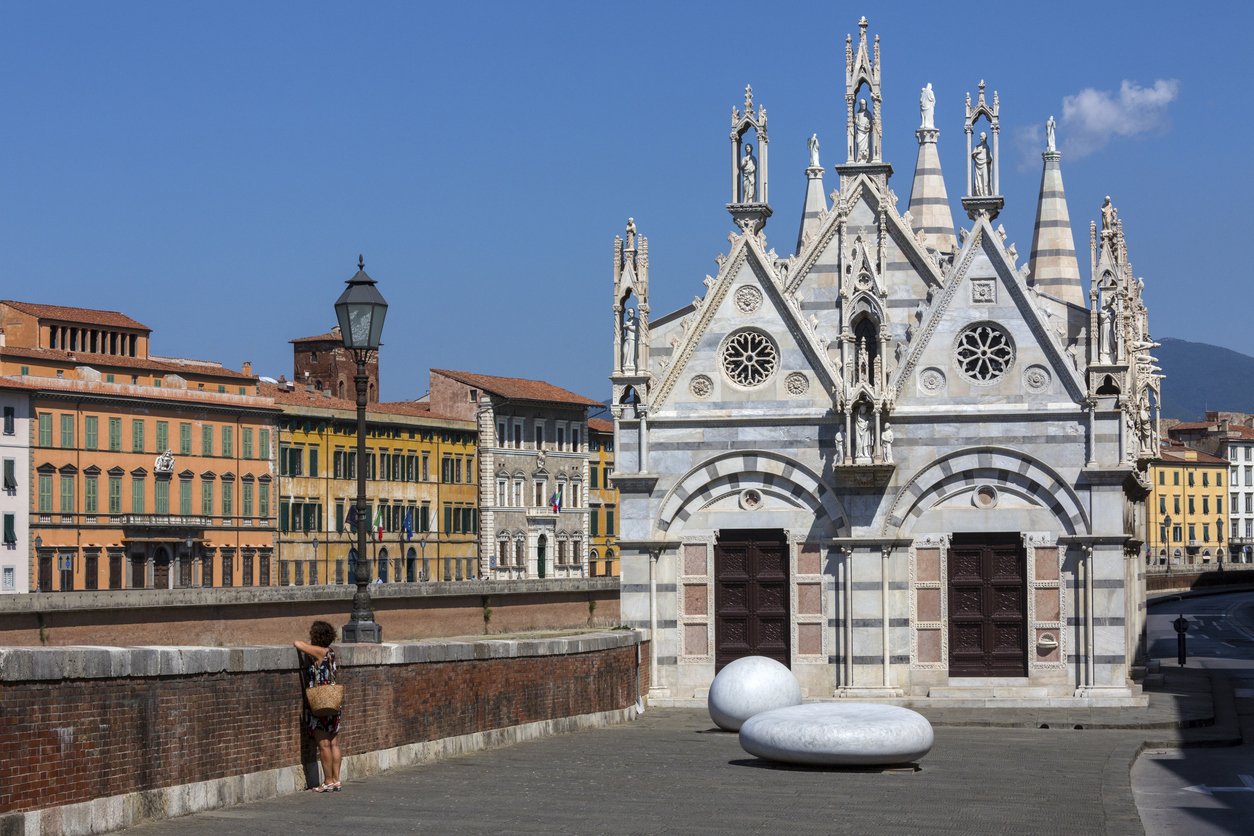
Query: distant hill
x=1202 y=377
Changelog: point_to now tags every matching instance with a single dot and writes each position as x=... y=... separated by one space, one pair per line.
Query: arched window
x=411 y=565
x=382 y=560
x=520 y=553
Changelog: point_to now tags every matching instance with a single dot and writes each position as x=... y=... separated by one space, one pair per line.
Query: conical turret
x=1053 y=267
x=929 y=202
x=816 y=202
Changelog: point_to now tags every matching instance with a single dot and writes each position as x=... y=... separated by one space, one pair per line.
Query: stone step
x=988 y=692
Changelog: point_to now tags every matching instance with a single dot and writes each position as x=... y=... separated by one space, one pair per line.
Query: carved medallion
x=748 y=298
x=931 y=381
x=797 y=383
x=701 y=386
x=983 y=291
x=751 y=499
x=1036 y=378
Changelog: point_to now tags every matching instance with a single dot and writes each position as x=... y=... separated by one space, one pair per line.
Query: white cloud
x=1092 y=118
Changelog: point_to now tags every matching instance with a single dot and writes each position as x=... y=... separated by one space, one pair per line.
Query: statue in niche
x=1049 y=135
x=840 y=446
x=813 y=145
x=862 y=371
x=982 y=185
x=631 y=234
x=629 y=340
x=164 y=462
x=877 y=371
x=927 y=107
x=1108 y=324
x=748 y=176
x=1110 y=218
x=862 y=133
x=886 y=442
x=862 y=432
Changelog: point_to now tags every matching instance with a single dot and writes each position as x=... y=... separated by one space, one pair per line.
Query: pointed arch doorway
x=751 y=601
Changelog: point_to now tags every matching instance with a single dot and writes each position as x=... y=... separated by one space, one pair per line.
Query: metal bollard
x=1182 y=626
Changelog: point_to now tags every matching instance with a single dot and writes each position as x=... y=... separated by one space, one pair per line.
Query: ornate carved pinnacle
x=748 y=99
x=862 y=23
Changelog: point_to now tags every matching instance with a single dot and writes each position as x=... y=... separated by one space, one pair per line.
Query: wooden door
x=751 y=609
x=987 y=606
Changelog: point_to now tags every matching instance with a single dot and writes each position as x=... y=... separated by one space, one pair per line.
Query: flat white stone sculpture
x=749 y=686
x=840 y=734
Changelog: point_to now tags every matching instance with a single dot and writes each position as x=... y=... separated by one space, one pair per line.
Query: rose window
x=984 y=352
x=749 y=358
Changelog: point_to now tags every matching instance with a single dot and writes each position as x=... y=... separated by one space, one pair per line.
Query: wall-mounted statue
x=862 y=431
x=748 y=176
x=629 y=340
x=982 y=178
x=813 y=145
x=886 y=442
x=862 y=133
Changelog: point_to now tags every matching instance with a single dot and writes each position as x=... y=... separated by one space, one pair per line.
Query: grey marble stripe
x=668 y=660
x=644 y=587
x=1053 y=193
x=879 y=660
x=1098 y=660
x=1048 y=224
x=863 y=586
x=1112 y=621
x=1052 y=253
x=929 y=201
x=663 y=624
x=876 y=622
x=921 y=172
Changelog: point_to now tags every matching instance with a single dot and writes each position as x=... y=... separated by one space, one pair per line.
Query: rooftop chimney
x=248 y=368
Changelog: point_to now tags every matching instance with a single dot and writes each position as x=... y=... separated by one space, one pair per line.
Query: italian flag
x=556 y=499
x=378 y=522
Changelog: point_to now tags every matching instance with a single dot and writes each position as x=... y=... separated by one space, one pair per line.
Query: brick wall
x=87 y=723
x=227 y=617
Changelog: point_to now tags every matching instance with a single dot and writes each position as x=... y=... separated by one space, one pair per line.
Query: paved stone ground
x=672 y=772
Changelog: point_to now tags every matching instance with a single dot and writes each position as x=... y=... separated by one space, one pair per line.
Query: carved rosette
x=797 y=384
x=931 y=381
x=1036 y=378
x=748 y=299
x=701 y=386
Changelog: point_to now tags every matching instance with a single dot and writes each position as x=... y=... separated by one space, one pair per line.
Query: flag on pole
x=351 y=519
x=556 y=499
x=378 y=522
x=407 y=523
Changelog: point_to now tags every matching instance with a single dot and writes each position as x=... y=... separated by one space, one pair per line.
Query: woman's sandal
x=324 y=788
x=335 y=787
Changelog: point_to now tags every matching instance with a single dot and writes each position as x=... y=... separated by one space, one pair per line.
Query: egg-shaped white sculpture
x=835 y=733
x=748 y=686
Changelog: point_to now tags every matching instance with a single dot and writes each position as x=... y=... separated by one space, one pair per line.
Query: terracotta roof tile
x=90 y=316
x=126 y=390
x=300 y=396
x=600 y=425
x=172 y=366
x=320 y=338
x=518 y=389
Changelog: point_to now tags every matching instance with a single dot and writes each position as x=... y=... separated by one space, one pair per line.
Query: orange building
x=146 y=471
x=602 y=500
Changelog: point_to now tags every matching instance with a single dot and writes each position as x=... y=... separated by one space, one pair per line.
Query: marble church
x=903 y=460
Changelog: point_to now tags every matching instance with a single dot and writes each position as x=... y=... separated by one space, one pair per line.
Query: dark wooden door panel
x=751 y=598
x=987 y=607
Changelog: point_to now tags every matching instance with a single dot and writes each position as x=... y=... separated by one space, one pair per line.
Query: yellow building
x=602 y=500
x=146 y=471
x=419 y=465
x=1186 y=508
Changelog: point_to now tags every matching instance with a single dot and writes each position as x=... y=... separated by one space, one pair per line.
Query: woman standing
x=320 y=670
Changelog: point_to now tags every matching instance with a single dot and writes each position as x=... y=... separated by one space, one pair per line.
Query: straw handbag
x=325 y=700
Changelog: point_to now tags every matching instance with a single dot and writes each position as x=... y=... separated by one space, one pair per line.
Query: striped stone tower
x=929 y=202
x=1052 y=265
x=816 y=201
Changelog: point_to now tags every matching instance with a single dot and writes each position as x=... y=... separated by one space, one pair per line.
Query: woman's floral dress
x=321 y=673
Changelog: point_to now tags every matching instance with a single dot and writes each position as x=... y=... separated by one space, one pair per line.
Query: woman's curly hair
x=321 y=634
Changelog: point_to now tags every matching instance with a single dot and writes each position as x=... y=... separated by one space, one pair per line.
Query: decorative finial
x=862 y=23
x=748 y=98
x=361 y=262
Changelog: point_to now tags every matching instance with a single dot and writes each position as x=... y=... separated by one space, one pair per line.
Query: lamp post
x=360 y=311
x=1167 y=538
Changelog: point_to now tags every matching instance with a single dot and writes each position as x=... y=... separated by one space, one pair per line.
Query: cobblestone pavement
x=671 y=772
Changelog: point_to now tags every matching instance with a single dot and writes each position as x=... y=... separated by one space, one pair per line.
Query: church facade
x=903 y=460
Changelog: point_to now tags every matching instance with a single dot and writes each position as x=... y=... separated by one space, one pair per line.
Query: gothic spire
x=1053 y=267
x=929 y=202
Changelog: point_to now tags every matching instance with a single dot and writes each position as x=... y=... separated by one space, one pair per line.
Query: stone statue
x=982 y=185
x=862 y=133
x=629 y=340
x=813 y=144
x=1110 y=218
x=748 y=176
x=927 y=107
x=840 y=446
x=1049 y=135
x=164 y=462
x=862 y=430
x=862 y=371
x=631 y=234
x=886 y=442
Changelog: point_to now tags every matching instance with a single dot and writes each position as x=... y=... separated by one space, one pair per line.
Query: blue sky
x=214 y=169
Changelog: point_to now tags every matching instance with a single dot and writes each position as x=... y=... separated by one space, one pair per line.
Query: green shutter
x=67 y=431
x=263 y=438
x=228 y=442
x=284 y=516
x=115 y=494
x=91 y=432
x=89 y=494
x=163 y=436
x=185 y=439
x=247 y=441
x=185 y=497
x=206 y=498
x=45 y=494
x=10 y=474
x=228 y=496
x=206 y=440
x=448 y=519
x=115 y=434
x=137 y=495
x=137 y=435
x=45 y=429
x=247 y=499
x=263 y=500
x=67 y=494
x=162 y=496
x=10 y=528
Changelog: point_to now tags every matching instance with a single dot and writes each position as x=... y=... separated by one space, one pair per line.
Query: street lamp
x=360 y=311
x=1167 y=539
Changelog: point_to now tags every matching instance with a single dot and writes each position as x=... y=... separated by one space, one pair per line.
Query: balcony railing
x=163 y=521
